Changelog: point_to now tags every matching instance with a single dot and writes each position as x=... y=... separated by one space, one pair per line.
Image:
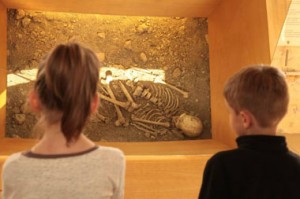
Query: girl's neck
x=54 y=142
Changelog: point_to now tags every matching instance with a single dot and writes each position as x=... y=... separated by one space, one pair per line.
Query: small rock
x=176 y=73
x=20 y=14
x=152 y=137
x=15 y=136
x=16 y=110
x=25 y=108
x=165 y=68
x=101 y=56
x=143 y=28
x=206 y=38
x=25 y=22
x=38 y=18
x=182 y=28
x=143 y=20
x=33 y=14
x=101 y=35
x=20 y=118
x=143 y=57
x=147 y=135
x=128 y=45
x=49 y=17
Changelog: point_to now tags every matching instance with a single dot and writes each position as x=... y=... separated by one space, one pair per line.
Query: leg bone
x=121 y=120
x=164 y=124
x=133 y=105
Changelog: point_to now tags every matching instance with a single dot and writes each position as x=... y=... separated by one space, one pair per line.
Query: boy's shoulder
x=227 y=153
x=228 y=156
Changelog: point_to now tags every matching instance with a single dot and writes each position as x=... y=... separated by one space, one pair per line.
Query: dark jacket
x=261 y=167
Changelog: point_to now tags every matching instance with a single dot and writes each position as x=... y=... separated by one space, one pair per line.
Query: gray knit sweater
x=95 y=173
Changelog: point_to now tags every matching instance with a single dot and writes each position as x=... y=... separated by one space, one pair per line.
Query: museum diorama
x=164 y=64
x=154 y=78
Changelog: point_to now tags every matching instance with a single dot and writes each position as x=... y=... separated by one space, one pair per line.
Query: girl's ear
x=34 y=101
x=95 y=103
x=246 y=118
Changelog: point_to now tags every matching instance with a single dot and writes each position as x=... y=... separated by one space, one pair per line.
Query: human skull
x=190 y=125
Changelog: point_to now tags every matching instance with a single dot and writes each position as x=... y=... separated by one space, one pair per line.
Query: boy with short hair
x=261 y=167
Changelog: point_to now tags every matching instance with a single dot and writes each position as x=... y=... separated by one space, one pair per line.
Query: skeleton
x=161 y=113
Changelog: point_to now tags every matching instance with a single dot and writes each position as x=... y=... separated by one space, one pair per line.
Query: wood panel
x=187 y=8
x=238 y=36
x=2 y=160
x=195 y=147
x=2 y=68
x=160 y=177
x=277 y=11
x=163 y=177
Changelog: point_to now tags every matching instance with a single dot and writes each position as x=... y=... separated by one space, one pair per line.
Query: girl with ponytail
x=65 y=163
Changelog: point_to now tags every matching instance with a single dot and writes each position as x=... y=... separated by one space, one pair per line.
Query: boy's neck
x=257 y=130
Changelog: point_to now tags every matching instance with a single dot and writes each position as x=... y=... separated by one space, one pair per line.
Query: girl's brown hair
x=66 y=85
x=262 y=90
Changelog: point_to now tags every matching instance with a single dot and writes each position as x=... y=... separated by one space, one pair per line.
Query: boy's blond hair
x=261 y=90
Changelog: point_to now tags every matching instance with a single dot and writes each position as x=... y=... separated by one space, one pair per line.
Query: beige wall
x=287 y=58
x=2 y=67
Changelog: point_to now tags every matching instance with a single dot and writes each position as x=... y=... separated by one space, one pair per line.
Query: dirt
x=172 y=50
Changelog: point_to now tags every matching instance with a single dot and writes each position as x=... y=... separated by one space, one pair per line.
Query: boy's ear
x=246 y=118
x=34 y=101
x=95 y=103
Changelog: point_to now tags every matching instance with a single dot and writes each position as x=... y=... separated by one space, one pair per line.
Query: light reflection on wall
x=22 y=77
x=2 y=99
x=133 y=74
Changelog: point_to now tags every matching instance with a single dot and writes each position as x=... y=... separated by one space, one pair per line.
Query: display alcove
x=240 y=32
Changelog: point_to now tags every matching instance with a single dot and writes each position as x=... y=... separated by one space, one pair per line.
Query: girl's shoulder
x=12 y=160
x=111 y=151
